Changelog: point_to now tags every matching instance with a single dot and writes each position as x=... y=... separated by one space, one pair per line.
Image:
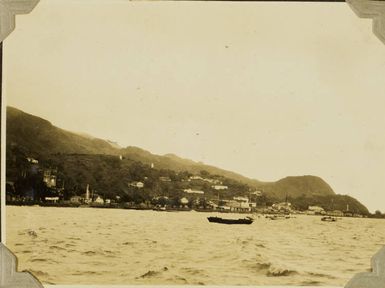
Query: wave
x=38 y=273
x=194 y=271
x=74 y=238
x=39 y=260
x=311 y=283
x=280 y=272
x=152 y=273
x=81 y=273
x=28 y=232
x=149 y=274
x=262 y=266
x=48 y=282
x=178 y=280
x=89 y=253
x=54 y=247
x=321 y=275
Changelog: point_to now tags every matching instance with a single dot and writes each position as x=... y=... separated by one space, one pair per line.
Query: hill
x=83 y=159
x=297 y=186
x=37 y=137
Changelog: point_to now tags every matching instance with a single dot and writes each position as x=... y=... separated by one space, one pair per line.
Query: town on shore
x=52 y=194
x=48 y=166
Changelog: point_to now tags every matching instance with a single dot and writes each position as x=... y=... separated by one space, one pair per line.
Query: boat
x=329 y=219
x=247 y=220
x=159 y=208
x=277 y=216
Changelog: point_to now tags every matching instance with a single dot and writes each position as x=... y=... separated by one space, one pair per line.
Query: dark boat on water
x=246 y=220
x=329 y=219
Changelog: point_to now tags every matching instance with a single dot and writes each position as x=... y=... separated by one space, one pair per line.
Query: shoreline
x=261 y=210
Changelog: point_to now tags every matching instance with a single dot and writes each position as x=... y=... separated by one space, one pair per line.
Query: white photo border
x=9 y=277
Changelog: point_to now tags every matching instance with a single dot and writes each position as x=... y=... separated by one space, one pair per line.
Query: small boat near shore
x=277 y=217
x=247 y=220
x=159 y=208
x=329 y=219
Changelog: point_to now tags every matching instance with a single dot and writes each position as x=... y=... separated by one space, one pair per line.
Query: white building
x=239 y=204
x=316 y=210
x=241 y=199
x=76 y=199
x=190 y=191
x=136 y=184
x=257 y=193
x=196 y=178
x=32 y=160
x=99 y=200
x=165 y=179
x=336 y=213
x=52 y=199
x=283 y=206
x=220 y=187
x=184 y=201
x=49 y=177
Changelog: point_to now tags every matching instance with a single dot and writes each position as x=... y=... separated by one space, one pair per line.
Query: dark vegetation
x=81 y=160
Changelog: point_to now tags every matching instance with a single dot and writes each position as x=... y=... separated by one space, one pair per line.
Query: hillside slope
x=35 y=137
x=297 y=186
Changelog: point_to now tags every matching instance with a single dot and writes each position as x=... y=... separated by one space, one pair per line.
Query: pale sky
x=264 y=89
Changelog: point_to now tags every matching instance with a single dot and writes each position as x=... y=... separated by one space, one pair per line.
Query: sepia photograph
x=193 y=143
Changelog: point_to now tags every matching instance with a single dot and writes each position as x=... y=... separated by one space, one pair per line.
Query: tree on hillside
x=204 y=173
x=378 y=214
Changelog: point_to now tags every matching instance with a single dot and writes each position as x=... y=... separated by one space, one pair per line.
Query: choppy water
x=106 y=246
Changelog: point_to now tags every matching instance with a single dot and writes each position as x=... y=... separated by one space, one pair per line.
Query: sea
x=71 y=246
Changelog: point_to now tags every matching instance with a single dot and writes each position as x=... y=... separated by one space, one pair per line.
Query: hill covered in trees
x=38 y=138
x=80 y=160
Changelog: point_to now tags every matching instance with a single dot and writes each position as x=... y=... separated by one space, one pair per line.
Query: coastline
x=260 y=211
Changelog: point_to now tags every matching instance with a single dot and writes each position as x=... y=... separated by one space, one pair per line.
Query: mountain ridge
x=38 y=138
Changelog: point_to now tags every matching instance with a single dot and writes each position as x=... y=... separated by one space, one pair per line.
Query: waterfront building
x=184 y=201
x=348 y=214
x=51 y=199
x=336 y=213
x=76 y=199
x=283 y=206
x=49 y=177
x=99 y=200
x=239 y=204
x=224 y=208
x=316 y=210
